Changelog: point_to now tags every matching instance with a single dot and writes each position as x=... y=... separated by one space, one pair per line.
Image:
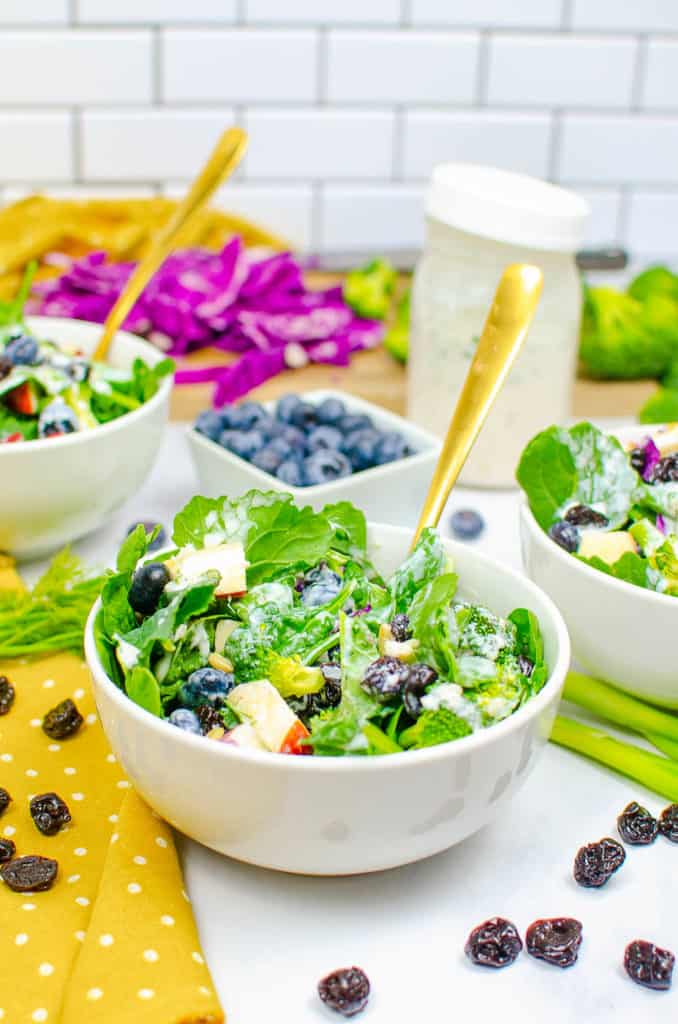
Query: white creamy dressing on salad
x=128 y=654
x=451 y=696
x=200 y=640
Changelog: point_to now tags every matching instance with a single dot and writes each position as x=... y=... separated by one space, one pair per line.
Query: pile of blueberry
x=300 y=443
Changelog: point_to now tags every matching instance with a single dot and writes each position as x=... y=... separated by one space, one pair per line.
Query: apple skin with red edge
x=243 y=736
x=23 y=399
x=277 y=726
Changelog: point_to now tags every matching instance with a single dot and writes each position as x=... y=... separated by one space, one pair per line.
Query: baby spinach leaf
x=528 y=634
x=142 y=687
x=427 y=561
x=160 y=627
x=581 y=465
x=431 y=625
x=349 y=528
x=133 y=548
x=630 y=567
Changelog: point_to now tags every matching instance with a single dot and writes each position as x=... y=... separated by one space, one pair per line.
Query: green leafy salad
x=48 y=390
x=612 y=507
x=268 y=627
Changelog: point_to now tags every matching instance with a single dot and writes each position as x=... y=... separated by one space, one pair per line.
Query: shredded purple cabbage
x=234 y=300
x=652 y=456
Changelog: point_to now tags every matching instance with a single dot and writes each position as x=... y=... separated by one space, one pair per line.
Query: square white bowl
x=392 y=493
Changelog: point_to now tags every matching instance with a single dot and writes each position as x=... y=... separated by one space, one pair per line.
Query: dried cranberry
x=62 y=721
x=668 y=823
x=419 y=678
x=648 y=965
x=400 y=628
x=666 y=470
x=50 y=813
x=7 y=850
x=331 y=673
x=494 y=943
x=597 y=862
x=565 y=535
x=7 y=695
x=6 y=366
x=346 y=990
x=556 y=940
x=526 y=665
x=637 y=459
x=637 y=826
x=5 y=800
x=30 y=874
x=385 y=678
x=582 y=515
x=209 y=718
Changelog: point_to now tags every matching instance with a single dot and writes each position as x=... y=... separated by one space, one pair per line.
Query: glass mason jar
x=478 y=221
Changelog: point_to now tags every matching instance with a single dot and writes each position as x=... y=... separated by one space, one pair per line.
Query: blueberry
x=247 y=416
x=566 y=535
x=294 y=437
x=320 y=586
x=244 y=443
x=466 y=523
x=291 y=473
x=57 y=418
x=330 y=411
x=354 y=421
x=148 y=583
x=23 y=351
x=210 y=423
x=149 y=526
x=391 y=447
x=303 y=416
x=268 y=459
x=286 y=406
x=324 y=466
x=361 y=447
x=324 y=437
x=206 y=686
x=185 y=719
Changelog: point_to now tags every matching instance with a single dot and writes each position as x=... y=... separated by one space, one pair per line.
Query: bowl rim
x=411 y=431
x=531 y=709
x=153 y=354
x=543 y=540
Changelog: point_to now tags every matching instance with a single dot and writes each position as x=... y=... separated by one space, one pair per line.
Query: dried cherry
x=400 y=628
x=62 y=721
x=385 y=678
x=7 y=850
x=648 y=965
x=209 y=718
x=597 y=862
x=555 y=940
x=494 y=943
x=666 y=470
x=346 y=990
x=582 y=515
x=637 y=826
x=49 y=813
x=30 y=874
x=5 y=800
x=668 y=823
x=7 y=695
x=419 y=678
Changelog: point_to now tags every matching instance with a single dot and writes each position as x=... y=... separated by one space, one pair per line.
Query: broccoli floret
x=622 y=338
x=368 y=290
x=397 y=337
x=433 y=727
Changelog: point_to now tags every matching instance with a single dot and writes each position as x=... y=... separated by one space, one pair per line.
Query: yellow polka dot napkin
x=114 y=941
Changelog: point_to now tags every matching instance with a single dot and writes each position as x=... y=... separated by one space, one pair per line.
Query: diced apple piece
x=667 y=439
x=221 y=634
x=243 y=735
x=260 y=704
x=23 y=399
x=609 y=547
x=404 y=650
x=226 y=559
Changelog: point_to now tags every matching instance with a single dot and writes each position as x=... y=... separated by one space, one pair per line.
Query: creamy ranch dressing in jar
x=478 y=221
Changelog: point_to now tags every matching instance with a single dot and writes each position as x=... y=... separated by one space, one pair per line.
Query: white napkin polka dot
x=197 y=957
x=8 y=830
x=80 y=936
x=72 y=879
x=45 y=970
x=77 y=796
x=48 y=684
x=162 y=843
x=82 y=901
x=94 y=993
x=39 y=1015
x=54 y=747
x=134 y=888
x=139 y=859
x=167 y=920
x=150 y=956
x=21 y=939
x=80 y=851
x=70 y=771
x=31 y=773
x=28 y=906
x=145 y=993
x=106 y=940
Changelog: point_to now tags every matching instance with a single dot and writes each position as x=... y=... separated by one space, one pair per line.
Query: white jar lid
x=507 y=207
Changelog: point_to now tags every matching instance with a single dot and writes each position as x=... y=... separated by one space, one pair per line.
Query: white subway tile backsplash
x=490 y=13
x=159 y=11
x=626 y=15
x=320 y=143
x=36 y=147
x=515 y=142
x=619 y=149
x=60 y=66
x=241 y=65
x=335 y=12
x=661 y=76
x=148 y=146
x=652 y=222
x=603 y=224
x=402 y=67
x=12 y=193
x=371 y=218
x=33 y=12
x=562 y=71
x=285 y=210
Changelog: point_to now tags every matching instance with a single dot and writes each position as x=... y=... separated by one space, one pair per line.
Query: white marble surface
x=269 y=937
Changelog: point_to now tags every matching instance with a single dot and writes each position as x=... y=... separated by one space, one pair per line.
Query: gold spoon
x=513 y=307
x=223 y=160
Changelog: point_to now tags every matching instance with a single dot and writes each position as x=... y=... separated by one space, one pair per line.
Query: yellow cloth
x=114 y=941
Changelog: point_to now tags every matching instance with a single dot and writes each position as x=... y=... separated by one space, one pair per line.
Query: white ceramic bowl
x=343 y=815
x=58 y=489
x=621 y=633
x=393 y=493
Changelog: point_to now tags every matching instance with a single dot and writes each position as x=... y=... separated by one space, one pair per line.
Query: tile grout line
x=157 y=66
x=76 y=145
x=399 y=129
x=482 y=82
x=555 y=145
x=322 y=46
x=567 y=16
x=639 y=74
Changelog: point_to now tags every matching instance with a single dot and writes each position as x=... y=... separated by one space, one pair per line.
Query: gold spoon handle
x=223 y=160
x=513 y=307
